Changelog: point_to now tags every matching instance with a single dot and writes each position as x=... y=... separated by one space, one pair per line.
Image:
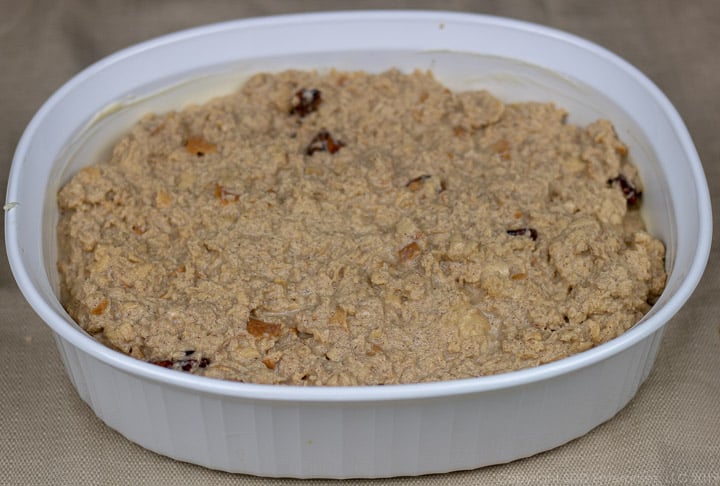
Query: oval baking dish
x=345 y=432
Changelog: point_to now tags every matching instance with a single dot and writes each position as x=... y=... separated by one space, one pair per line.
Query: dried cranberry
x=305 y=102
x=522 y=231
x=165 y=363
x=186 y=364
x=183 y=364
x=323 y=142
x=631 y=193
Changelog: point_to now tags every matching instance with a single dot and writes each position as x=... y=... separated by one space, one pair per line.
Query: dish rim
x=72 y=333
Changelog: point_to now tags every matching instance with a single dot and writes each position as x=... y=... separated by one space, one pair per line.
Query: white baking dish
x=358 y=431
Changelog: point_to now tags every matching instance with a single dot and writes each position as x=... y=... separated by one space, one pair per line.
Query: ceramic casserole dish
x=376 y=431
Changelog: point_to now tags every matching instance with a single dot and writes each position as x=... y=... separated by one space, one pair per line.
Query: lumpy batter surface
x=356 y=229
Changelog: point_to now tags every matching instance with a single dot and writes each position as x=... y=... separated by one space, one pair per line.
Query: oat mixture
x=355 y=229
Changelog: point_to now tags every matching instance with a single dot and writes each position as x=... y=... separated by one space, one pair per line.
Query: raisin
x=522 y=231
x=305 y=102
x=323 y=142
x=631 y=193
x=260 y=328
x=416 y=184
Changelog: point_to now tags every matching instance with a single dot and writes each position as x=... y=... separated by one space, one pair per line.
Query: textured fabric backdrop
x=670 y=432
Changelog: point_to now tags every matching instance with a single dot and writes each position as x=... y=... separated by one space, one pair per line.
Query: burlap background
x=669 y=434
